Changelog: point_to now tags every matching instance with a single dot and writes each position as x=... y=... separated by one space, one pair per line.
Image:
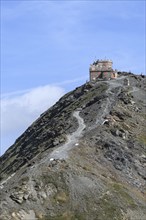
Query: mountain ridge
x=85 y=157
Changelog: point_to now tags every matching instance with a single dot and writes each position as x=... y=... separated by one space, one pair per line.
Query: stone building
x=102 y=69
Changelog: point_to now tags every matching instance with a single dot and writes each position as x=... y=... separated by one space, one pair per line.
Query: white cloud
x=19 y=111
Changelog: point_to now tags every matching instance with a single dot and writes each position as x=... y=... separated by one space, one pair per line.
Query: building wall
x=94 y=75
x=102 y=69
x=106 y=75
x=105 y=64
x=102 y=74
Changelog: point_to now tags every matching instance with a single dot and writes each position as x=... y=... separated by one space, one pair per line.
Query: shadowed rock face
x=84 y=158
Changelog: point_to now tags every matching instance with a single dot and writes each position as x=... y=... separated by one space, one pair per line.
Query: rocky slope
x=83 y=159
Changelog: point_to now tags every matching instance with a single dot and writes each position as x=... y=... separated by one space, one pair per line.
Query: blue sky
x=47 y=47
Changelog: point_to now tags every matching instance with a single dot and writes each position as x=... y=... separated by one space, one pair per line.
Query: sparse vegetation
x=66 y=216
x=142 y=139
x=124 y=195
x=61 y=197
x=104 y=167
x=108 y=209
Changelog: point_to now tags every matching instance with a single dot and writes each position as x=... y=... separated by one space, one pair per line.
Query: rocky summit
x=82 y=159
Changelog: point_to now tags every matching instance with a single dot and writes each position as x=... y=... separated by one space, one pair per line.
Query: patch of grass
x=57 y=179
x=111 y=204
x=108 y=209
x=124 y=195
x=61 y=197
x=65 y=216
x=87 y=168
x=142 y=139
x=79 y=216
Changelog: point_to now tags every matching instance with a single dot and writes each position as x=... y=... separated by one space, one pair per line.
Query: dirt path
x=62 y=152
x=134 y=89
x=110 y=100
x=118 y=84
